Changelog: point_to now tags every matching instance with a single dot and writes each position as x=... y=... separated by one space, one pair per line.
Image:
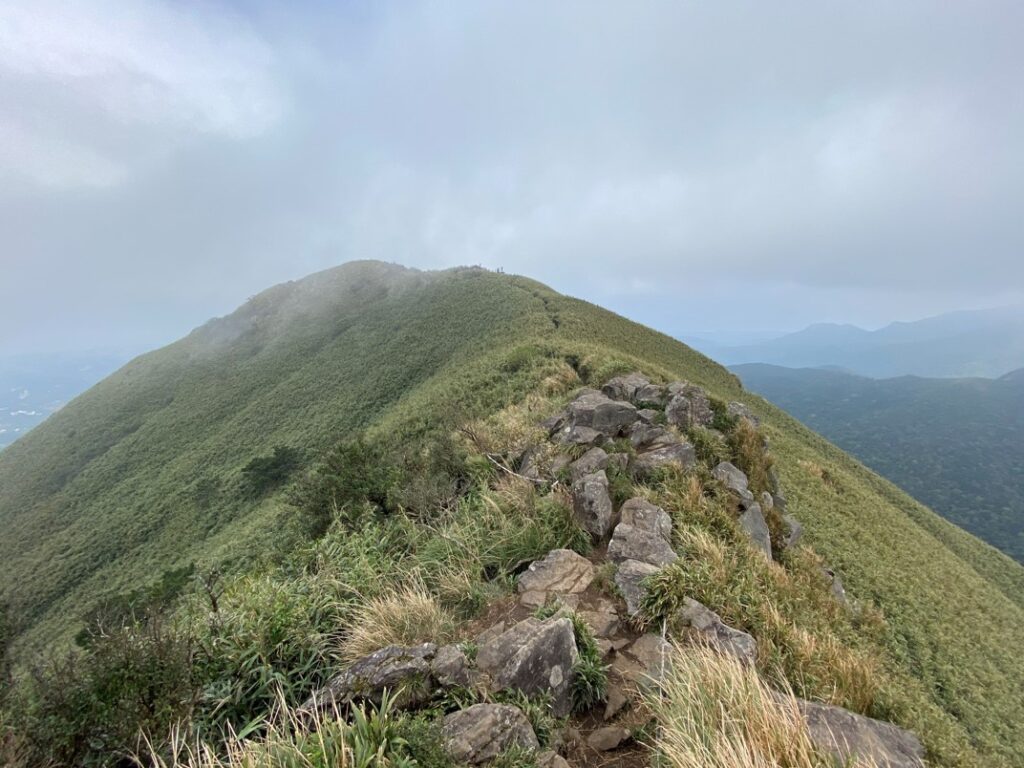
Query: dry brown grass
x=406 y=616
x=716 y=713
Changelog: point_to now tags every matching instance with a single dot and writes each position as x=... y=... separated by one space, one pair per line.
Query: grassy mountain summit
x=194 y=456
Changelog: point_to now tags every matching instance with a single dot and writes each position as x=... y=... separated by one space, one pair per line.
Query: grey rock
x=561 y=571
x=451 y=668
x=580 y=435
x=592 y=504
x=529 y=464
x=615 y=702
x=708 y=626
x=752 y=521
x=592 y=461
x=846 y=735
x=647 y=415
x=740 y=411
x=644 y=436
x=608 y=738
x=794 y=530
x=554 y=423
x=602 y=623
x=629 y=578
x=394 y=668
x=618 y=460
x=767 y=502
x=643 y=514
x=632 y=543
x=836 y=585
x=598 y=411
x=625 y=387
x=654 y=655
x=652 y=394
x=481 y=732
x=551 y=759
x=731 y=476
x=779 y=502
x=680 y=454
x=689 y=407
x=534 y=657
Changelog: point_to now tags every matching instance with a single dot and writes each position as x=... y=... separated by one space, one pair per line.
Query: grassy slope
x=418 y=345
x=955 y=444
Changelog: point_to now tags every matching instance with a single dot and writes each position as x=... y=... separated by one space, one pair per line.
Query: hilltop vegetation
x=217 y=517
x=957 y=445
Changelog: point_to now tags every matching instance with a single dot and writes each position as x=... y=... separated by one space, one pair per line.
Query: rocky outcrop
x=608 y=738
x=592 y=504
x=735 y=481
x=708 y=627
x=481 y=732
x=680 y=454
x=450 y=668
x=535 y=657
x=625 y=387
x=740 y=411
x=598 y=411
x=406 y=671
x=846 y=736
x=561 y=572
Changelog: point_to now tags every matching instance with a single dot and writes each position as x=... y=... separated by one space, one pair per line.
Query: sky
x=701 y=167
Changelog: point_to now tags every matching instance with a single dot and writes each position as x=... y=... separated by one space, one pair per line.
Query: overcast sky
x=705 y=166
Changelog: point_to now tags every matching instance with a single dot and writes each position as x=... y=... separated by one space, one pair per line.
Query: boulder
x=767 y=502
x=679 y=454
x=835 y=584
x=481 y=732
x=647 y=415
x=649 y=517
x=625 y=387
x=794 y=530
x=645 y=436
x=629 y=578
x=654 y=655
x=615 y=702
x=740 y=411
x=551 y=759
x=618 y=460
x=752 y=521
x=709 y=628
x=451 y=668
x=652 y=394
x=394 y=668
x=554 y=423
x=735 y=481
x=561 y=571
x=534 y=657
x=599 y=412
x=592 y=504
x=608 y=738
x=529 y=465
x=632 y=543
x=846 y=736
x=592 y=461
x=580 y=435
x=689 y=407
x=603 y=623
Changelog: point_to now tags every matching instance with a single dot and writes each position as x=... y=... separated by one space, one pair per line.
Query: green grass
x=144 y=475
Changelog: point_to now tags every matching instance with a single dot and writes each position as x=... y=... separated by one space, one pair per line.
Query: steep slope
x=957 y=445
x=143 y=473
x=986 y=343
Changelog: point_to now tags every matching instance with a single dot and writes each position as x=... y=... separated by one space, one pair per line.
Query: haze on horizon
x=757 y=168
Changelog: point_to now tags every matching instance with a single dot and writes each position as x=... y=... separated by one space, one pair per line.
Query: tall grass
x=714 y=712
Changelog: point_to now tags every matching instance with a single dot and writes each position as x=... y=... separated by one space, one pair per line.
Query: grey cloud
x=847 y=162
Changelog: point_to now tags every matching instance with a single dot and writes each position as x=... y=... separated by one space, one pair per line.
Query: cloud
x=691 y=164
x=101 y=87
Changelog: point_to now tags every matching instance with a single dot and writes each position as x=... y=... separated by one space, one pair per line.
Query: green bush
x=267 y=473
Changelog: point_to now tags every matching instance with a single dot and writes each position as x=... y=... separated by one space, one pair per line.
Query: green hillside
x=957 y=445
x=201 y=453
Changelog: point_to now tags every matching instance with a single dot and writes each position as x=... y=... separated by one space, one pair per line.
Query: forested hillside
x=957 y=445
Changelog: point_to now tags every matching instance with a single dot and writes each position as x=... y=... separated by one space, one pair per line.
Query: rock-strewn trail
x=517 y=651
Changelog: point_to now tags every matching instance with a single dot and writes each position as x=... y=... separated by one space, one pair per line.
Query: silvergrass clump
x=406 y=616
x=714 y=712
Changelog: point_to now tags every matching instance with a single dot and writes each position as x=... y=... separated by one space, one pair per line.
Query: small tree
x=267 y=473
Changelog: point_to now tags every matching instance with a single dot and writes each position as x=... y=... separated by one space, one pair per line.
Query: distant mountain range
x=34 y=386
x=956 y=445
x=986 y=343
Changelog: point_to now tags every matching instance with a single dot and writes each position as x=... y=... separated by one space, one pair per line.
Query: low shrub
x=406 y=616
